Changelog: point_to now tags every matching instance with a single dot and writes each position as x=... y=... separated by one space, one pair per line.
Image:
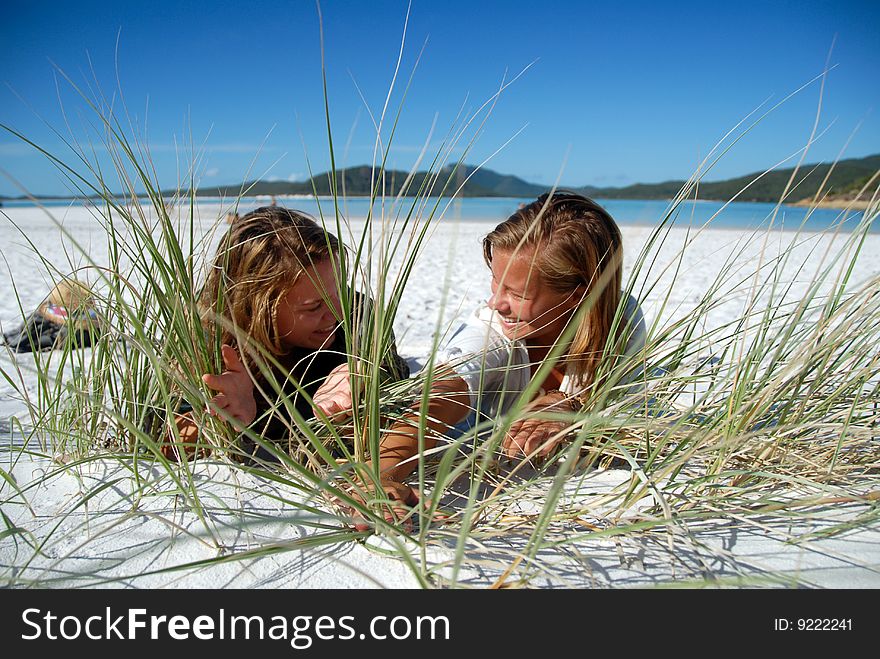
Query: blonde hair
x=77 y=299
x=576 y=243
x=71 y=293
x=259 y=258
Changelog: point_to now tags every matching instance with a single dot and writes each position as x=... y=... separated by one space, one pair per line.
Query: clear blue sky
x=618 y=92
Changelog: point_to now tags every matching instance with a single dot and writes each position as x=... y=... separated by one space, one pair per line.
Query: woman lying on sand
x=68 y=314
x=555 y=262
x=273 y=278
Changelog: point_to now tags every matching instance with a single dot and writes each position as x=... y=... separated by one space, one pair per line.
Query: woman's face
x=308 y=313
x=528 y=309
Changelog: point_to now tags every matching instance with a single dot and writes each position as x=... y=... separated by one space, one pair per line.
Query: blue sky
x=616 y=93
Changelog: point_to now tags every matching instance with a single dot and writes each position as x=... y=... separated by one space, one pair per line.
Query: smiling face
x=308 y=312
x=528 y=308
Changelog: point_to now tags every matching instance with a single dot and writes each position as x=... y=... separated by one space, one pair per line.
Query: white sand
x=115 y=540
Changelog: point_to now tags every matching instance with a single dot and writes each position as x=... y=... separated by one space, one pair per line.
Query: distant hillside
x=847 y=175
x=356 y=182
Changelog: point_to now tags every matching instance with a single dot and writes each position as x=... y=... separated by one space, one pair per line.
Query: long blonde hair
x=576 y=243
x=259 y=258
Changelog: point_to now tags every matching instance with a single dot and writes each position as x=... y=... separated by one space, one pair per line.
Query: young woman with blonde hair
x=556 y=267
x=273 y=288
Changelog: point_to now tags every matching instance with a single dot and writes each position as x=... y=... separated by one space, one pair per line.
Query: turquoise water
x=737 y=215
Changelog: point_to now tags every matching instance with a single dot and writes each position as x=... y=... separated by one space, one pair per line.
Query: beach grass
x=768 y=421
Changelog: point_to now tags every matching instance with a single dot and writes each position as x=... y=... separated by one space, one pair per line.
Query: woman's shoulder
x=633 y=325
x=479 y=334
x=633 y=310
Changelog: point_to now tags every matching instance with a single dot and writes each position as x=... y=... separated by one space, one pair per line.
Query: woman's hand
x=402 y=500
x=536 y=436
x=400 y=508
x=333 y=397
x=402 y=497
x=236 y=397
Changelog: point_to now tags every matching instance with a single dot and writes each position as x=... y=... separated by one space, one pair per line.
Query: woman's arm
x=183 y=445
x=449 y=402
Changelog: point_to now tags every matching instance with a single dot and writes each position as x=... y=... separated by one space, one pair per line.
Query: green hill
x=358 y=182
x=848 y=175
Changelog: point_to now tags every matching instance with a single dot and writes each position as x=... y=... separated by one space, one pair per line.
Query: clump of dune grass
x=770 y=417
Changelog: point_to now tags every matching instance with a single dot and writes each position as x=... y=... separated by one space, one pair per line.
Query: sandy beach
x=113 y=539
x=840 y=204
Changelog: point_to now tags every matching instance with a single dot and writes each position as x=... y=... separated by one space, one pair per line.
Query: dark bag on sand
x=40 y=332
x=68 y=313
